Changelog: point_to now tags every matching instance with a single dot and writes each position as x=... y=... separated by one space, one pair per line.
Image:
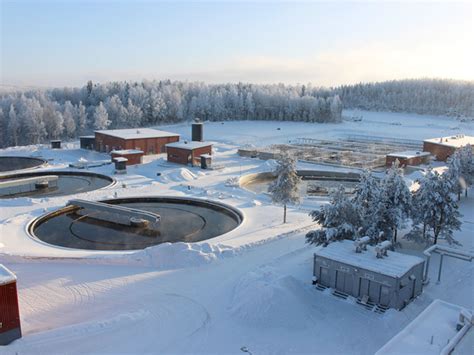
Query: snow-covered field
x=247 y=290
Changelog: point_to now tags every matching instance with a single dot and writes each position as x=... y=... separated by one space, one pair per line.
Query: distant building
x=442 y=148
x=87 y=142
x=133 y=156
x=409 y=157
x=150 y=141
x=187 y=152
x=391 y=281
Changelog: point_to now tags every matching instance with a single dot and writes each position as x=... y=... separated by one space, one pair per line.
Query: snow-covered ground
x=247 y=290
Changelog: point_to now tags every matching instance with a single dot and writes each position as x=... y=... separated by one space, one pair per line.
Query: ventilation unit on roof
x=381 y=249
x=361 y=244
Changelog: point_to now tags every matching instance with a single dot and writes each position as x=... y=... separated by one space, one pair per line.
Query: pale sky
x=66 y=43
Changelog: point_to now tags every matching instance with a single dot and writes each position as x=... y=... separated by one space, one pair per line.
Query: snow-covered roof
x=436 y=322
x=189 y=145
x=407 y=154
x=89 y=137
x=395 y=264
x=136 y=133
x=457 y=141
x=126 y=151
x=6 y=276
x=206 y=155
x=120 y=159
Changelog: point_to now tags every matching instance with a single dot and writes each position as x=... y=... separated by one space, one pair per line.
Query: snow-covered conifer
x=285 y=188
x=366 y=194
x=393 y=205
x=435 y=210
x=338 y=220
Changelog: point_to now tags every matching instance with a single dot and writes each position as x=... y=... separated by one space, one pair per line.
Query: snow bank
x=178 y=255
x=263 y=298
x=179 y=175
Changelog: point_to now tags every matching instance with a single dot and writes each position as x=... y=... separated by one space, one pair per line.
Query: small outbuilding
x=148 y=140
x=120 y=165
x=87 y=142
x=188 y=152
x=388 y=279
x=56 y=144
x=442 y=148
x=133 y=156
x=10 y=328
x=409 y=157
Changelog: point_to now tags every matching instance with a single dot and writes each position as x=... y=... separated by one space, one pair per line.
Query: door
x=324 y=276
x=384 y=295
x=348 y=286
x=344 y=282
x=374 y=291
x=340 y=278
x=363 y=287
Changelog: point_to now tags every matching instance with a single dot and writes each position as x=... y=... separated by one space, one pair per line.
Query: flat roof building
x=133 y=156
x=391 y=281
x=188 y=152
x=148 y=140
x=408 y=157
x=443 y=147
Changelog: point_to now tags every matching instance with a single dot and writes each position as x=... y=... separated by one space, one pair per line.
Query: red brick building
x=187 y=152
x=150 y=141
x=442 y=148
x=408 y=158
x=133 y=156
x=10 y=328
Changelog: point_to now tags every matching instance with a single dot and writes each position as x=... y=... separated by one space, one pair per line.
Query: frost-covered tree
x=365 y=199
x=466 y=160
x=101 y=117
x=285 y=189
x=13 y=127
x=81 y=117
x=116 y=111
x=454 y=173
x=393 y=205
x=338 y=220
x=134 y=114
x=435 y=211
x=53 y=121
x=68 y=117
x=33 y=116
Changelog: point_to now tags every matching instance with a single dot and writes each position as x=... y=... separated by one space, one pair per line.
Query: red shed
x=9 y=311
x=187 y=152
x=442 y=148
x=408 y=157
x=150 y=141
x=133 y=156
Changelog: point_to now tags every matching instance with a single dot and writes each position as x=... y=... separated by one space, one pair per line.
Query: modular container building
x=442 y=148
x=391 y=282
x=408 y=158
x=10 y=328
x=187 y=152
x=150 y=141
x=133 y=156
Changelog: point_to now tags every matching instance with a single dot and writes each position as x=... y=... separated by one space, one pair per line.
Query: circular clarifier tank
x=19 y=163
x=182 y=220
x=51 y=183
x=314 y=182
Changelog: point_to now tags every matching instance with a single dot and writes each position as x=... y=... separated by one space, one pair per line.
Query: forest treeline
x=36 y=116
